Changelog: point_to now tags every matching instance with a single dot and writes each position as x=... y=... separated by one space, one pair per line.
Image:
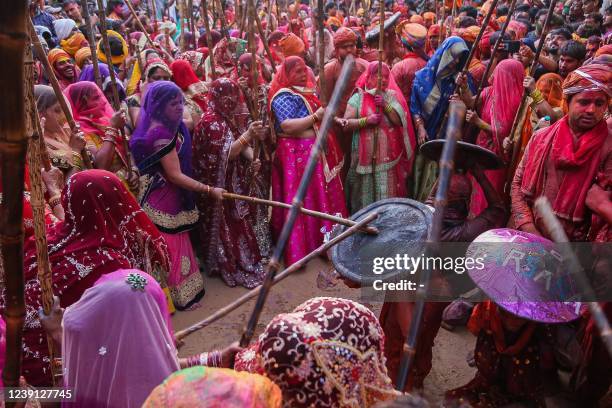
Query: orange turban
x=57 y=55
x=291 y=45
x=502 y=19
x=550 y=86
x=81 y=55
x=593 y=77
x=429 y=17
x=344 y=35
x=334 y=21
x=73 y=43
x=412 y=34
x=468 y=34
x=604 y=50
x=417 y=19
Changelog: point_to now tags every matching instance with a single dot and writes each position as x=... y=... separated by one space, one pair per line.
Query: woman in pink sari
x=497 y=109
x=369 y=112
x=296 y=114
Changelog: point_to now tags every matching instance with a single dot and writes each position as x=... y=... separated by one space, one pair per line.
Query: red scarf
x=579 y=165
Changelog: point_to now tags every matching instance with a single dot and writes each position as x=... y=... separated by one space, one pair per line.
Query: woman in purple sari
x=223 y=157
x=161 y=145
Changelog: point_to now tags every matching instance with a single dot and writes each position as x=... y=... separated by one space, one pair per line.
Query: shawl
x=117 y=344
x=434 y=84
x=579 y=165
x=88 y=74
x=215 y=387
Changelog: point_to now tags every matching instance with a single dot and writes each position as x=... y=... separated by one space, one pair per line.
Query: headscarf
x=45 y=97
x=417 y=19
x=434 y=84
x=88 y=73
x=225 y=52
x=550 y=86
x=432 y=32
x=115 y=59
x=292 y=45
x=429 y=17
x=502 y=99
x=333 y=21
x=244 y=62
x=412 y=35
x=222 y=88
x=328 y=352
x=63 y=28
x=285 y=79
x=343 y=36
x=90 y=107
x=120 y=325
x=81 y=55
x=519 y=29
x=195 y=58
x=215 y=387
x=184 y=76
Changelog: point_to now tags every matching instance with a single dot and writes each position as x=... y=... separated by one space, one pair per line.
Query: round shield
x=403 y=226
x=466 y=154
x=524 y=274
x=373 y=33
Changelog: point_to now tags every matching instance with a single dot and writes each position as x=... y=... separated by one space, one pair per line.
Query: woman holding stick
x=63 y=146
x=162 y=150
x=223 y=158
x=101 y=125
x=296 y=112
x=396 y=145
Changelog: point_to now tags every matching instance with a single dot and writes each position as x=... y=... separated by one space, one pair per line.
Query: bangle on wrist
x=362 y=122
x=55 y=201
x=242 y=140
x=388 y=108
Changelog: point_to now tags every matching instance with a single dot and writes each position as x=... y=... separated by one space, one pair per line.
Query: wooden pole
x=264 y=40
x=13 y=146
x=381 y=50
x=41 y=55
x=192 y=26
x=224 y=29
x=129 y=3
x=209 y=41
x=113 y=78
x=35 y=162
x=305 y=211
x=91 y=38
x=516 y=141
x=320 y=251
x=557 y=233
x=317 y=149
x=321 y=50
x=254 y=76
x=455 y=123
x=442 y=33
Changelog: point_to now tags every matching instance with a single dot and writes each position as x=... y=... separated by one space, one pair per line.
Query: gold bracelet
x=388 y=108
x=314 y=119
x=55 y=201
x=242 y=141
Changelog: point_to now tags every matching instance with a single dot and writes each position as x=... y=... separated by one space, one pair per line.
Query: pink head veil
x=372 y=71
x=89 y=106
x=117 y=345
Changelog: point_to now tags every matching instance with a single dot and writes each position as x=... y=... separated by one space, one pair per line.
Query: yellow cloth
x=73 y=43
x=81 y=55
x=57 y=55
x=134 y=81
x=117 y=59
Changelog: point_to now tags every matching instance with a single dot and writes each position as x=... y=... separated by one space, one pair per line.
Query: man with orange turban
x=429 y=19
x=292 y=45
x=469 y=35
x=345 y=43
x=64 y=69
x=413 y=38
x=83 y=57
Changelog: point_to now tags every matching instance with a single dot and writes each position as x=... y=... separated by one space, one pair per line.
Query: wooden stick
x=13 y=146
x=442 y=33
x=113 y=78
x=37 y=199
x=316 y=151
x=129 y=3
x=224 y=29
x=381 y=44
x=41 y=55
x=209 y=41
x=192 y=26
x=321 y=50
x=516 y=141
x=321 y=250
x=264 y=40
x=91 y=38
x=557 y=233
x=455 y=123
x=305 y=211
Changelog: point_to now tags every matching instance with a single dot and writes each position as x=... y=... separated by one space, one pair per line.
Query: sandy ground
x=449 y=367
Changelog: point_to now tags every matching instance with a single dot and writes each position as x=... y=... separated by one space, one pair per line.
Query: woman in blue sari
x=431 y=91
x=161 y=146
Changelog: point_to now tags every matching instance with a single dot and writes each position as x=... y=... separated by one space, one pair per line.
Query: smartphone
x=511 y=46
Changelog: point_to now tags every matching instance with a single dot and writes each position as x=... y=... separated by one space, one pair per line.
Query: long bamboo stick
x=224 y=29
x=442 y=33
x=379 y=91
x=321 y=50
x=113 y=78
x=41 y=55
x=91 y=38
x=321 y=250
x=455 y=123
x=13 y=146
x=264 y=40
x=516 y=148
x=209 y=41
x=318 y=147
x=38 y=204
x=305 y=211
x=557 y=233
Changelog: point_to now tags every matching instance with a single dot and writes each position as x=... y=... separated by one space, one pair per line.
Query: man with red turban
x=292 y=45
x=413 y=37
x=562 y=162
x=345 y=43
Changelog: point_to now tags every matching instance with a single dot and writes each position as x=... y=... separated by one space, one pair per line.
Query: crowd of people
x=237 y=109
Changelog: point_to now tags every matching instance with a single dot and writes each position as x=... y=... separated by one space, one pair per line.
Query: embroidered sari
x=231 y=248
x=325 y=194
x=394 y=146
x=104 y=230
x=170 y=207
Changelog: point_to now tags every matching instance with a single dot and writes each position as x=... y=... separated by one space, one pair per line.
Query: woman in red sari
x=222 y=158
x=296 y=113
x=105 y=230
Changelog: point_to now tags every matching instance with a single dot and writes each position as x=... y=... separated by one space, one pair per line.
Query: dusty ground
x=449 y=367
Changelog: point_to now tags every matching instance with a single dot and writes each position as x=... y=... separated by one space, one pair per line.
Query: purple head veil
x=88 y=73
